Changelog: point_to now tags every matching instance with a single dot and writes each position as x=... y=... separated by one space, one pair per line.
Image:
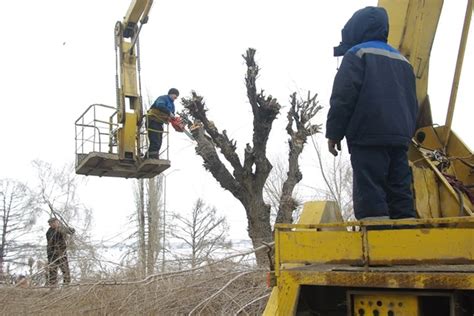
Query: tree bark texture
x=141 y=228
x=153 y=215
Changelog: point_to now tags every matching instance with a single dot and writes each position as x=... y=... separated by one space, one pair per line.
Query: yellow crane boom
x=113 y=146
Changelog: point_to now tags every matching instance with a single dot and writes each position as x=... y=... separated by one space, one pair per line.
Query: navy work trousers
x=381 y=182
x=155 y=136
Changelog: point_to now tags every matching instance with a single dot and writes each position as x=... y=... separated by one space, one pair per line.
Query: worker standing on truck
x=374 y=105
x=161 y=112
x=56 y=237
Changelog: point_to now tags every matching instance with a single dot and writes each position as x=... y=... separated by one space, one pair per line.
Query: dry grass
x=223 y=289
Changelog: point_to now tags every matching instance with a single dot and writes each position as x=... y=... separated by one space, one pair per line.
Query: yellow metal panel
x=426 y=192
x=433 y=137
x=288 y=292
x=451 y=221
x=449 y=200
x=382 y=304
x=127 y=135
x=313 y=247
x=137 y=7
x=397 y=13
x=459 y=156
x=448 y=245
x=316 y=212
x=346 y=276
x=449 y=204
x=413 y=26
x=129 y=71
x=272 y=304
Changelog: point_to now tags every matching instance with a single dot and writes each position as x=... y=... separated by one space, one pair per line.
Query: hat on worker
x=173 y=91
x=52 y=219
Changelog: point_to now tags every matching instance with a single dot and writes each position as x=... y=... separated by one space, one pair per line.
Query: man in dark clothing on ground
x=161 y=111
x=56 y=250
x=374 y=105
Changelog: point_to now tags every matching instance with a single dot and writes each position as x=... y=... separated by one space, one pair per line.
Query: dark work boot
x=153 y=155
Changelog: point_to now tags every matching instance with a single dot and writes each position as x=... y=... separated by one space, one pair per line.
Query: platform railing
x=96 y=131
x=92 y=129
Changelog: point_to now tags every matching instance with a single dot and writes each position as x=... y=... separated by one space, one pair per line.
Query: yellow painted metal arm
x=128 y=77
x=413 y=26
x=457 y=73
x=137 y=12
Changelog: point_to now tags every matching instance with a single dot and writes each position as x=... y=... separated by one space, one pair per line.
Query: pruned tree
x=17 y=216
x=148 y=204
x=247 y=178
x=201 y=231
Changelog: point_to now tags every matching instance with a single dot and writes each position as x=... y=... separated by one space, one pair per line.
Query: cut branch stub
x=251 y=78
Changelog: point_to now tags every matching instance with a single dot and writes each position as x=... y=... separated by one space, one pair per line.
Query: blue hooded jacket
x=373 y=100
x=164 y=103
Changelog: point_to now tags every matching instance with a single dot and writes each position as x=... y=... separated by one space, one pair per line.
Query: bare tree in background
x=247 y=178
x=202 y=231
x=273 y=188
x=17 y=216
x=56 y=193
x=148 y=203
x=338 y=181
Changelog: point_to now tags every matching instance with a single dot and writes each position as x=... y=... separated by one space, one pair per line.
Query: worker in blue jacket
x=160 y=112
x=374 y=106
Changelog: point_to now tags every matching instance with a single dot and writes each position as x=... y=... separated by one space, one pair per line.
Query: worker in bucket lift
x=374 y=106
x=161 y=112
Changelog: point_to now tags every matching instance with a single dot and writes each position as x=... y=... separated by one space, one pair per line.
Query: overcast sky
x=58 y=58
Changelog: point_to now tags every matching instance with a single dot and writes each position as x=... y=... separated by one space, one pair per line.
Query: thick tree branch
x=265 y=110
x=206 y=149
x=196 y=108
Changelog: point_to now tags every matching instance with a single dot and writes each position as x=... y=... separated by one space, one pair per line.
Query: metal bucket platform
x=109 y=165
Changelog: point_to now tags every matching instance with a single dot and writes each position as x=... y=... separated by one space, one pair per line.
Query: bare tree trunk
x=2 y=249
x=141 y=228
x=147 y=198
x=153 y=215
x=5 y=217
x=260 y=230
x=151 y=212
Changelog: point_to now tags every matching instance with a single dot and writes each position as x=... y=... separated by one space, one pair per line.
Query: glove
x=333 y=145
x=177 y=124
